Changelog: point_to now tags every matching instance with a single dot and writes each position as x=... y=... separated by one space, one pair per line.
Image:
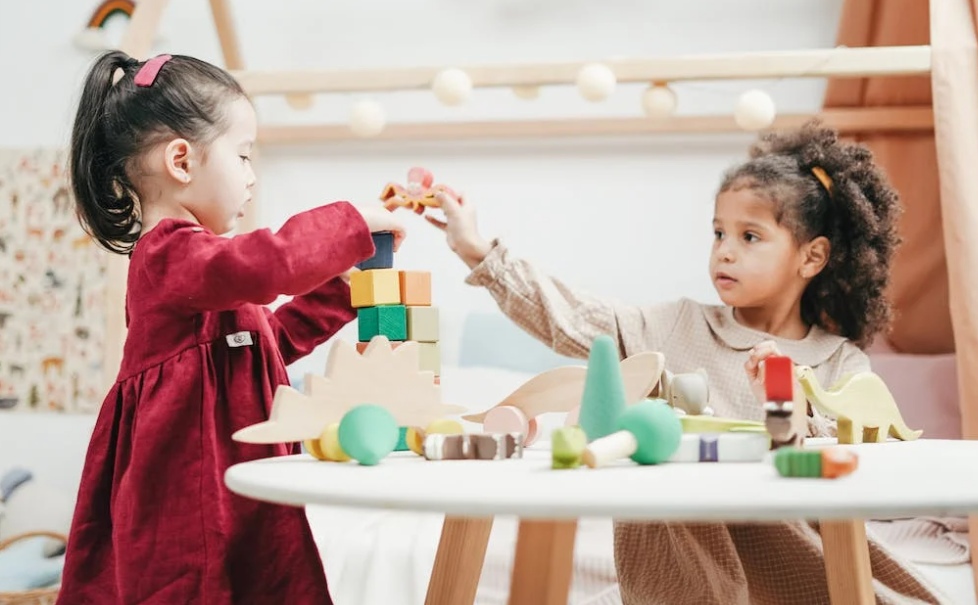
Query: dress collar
x=812 y=350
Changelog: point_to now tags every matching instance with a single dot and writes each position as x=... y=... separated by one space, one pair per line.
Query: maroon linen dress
x=154 y=522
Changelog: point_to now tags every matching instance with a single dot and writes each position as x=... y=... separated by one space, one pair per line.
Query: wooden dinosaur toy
x=862 y=405
x=381 y=375
x=417 y=194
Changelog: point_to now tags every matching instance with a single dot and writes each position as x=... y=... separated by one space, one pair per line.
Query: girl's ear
x=816 y=256
x=177 y=160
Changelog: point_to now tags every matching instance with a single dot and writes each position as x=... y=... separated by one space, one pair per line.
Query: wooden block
x=779 y=379
x=422 y=324
x=374 y=287
x=415 y=288
x=429 y=357
x=383 y=257
x=362 y=346
x=387 y=320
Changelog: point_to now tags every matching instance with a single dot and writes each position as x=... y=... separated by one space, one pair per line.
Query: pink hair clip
x=148 y=72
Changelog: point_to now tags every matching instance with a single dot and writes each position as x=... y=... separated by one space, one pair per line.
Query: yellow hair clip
x=823 y=178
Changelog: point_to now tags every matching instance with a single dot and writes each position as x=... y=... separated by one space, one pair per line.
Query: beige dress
x=699 y=564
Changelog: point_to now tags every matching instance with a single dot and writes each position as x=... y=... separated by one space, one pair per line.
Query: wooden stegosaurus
x=381 y=375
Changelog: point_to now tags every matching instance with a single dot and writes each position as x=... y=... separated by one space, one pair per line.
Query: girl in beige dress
x=804 y=235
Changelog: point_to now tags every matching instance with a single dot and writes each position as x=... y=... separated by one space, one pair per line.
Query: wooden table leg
x=544 y=563
x=458 y=561
x=847 y=567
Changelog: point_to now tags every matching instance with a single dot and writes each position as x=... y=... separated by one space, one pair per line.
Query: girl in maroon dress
x=160 y=171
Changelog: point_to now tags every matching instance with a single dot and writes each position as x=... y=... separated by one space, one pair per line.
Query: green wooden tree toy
x=603 y=399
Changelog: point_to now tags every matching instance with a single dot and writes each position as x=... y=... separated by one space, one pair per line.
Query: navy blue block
x=383 y=258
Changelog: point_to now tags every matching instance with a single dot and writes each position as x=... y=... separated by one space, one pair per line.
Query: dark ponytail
x=117 y=121
x=105 y=202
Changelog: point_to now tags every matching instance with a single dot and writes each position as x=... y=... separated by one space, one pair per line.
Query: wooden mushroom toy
x=649 y=433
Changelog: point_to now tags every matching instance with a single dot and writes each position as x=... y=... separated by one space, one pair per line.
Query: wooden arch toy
x=560 y=390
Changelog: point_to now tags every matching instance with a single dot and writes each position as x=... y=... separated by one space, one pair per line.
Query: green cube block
x=384 y=320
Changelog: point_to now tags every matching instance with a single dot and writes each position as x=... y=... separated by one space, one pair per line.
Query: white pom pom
x=527 y=92
x=755 y=110
x=452 y=86
x=367 y=119
x=596 y=82
x=659 y=101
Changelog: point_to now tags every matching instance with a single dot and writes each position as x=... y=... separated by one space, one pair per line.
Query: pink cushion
x=926 y=389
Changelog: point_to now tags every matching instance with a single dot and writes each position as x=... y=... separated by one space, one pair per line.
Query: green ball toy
x=368 y=433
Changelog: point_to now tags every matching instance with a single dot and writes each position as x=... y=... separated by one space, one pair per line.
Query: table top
x=895 y=479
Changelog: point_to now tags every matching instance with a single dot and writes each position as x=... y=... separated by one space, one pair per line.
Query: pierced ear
x=816 y=257
x=177 y=159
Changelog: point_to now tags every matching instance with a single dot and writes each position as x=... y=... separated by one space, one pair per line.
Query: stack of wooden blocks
x=396 y=304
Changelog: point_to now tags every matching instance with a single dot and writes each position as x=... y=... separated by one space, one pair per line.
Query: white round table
x=894 y=479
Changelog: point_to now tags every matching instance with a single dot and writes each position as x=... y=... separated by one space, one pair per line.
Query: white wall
x=628 y=217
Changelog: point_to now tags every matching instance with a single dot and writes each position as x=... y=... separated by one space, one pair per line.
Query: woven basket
x=37 y=596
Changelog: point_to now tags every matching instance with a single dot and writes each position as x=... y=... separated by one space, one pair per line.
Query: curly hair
x=856 y=211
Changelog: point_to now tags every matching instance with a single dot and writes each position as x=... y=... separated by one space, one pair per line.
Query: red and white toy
x=785 y=409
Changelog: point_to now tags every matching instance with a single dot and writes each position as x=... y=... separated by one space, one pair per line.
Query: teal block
x=384 y=320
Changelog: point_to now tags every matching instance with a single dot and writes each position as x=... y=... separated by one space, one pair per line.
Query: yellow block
x=375 y=287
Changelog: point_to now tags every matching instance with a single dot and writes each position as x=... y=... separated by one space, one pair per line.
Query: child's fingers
x=763 y=350
x=449 y=204
x=437 y=223
x=399 y=235
x=750 y=366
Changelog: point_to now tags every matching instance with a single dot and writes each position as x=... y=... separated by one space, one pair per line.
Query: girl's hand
x=345 y=276
x=460 y=229
x=755 y=367
x=380 y=219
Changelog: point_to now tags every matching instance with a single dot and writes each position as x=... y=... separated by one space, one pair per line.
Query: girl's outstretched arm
x=200 y=271
x=565 y=319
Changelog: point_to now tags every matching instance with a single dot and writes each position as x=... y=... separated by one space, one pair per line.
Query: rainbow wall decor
x=93 y=36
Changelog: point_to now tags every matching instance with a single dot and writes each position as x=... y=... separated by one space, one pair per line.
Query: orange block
x=415 y=288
